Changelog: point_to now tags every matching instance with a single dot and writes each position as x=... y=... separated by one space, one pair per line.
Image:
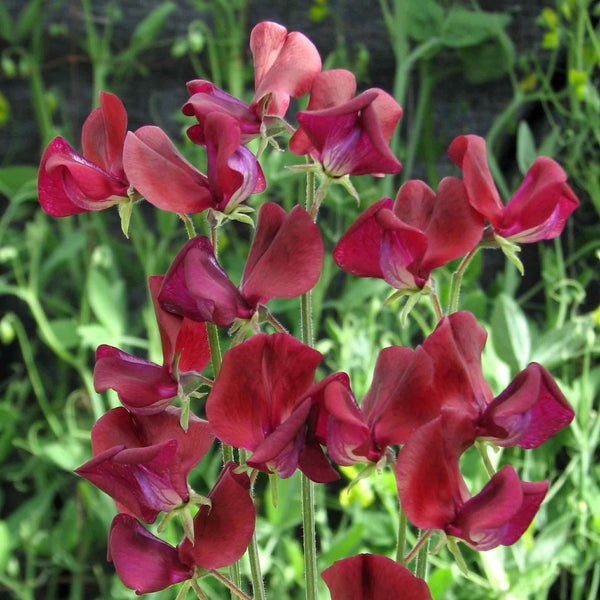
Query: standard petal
x=143 y=562
x=159 y=172
x=284 y=65
x=286 y=255
x=373 y=577
x=223 y=531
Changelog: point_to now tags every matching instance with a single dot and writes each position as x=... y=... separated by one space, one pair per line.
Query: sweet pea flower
x=262 y=401
x=373 y=577
x=284 y=261
x=348 y=135
x=142 y=462
x=222 y=533
x=167 y=180
x=434 y=495
x=403 y=241
x=539 y=208
x=143 y=386
x=70 y=183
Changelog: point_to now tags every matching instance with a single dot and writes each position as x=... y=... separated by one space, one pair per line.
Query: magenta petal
x=223 y=531
x=286 y=255
x=143 y=386
x=196 y=287
x=103 y=135
x=499 y=514
x=539 y=209
x=373 y=577
x=529 y=411
x=159 y=172
x=285 y=65
x=69 y=184
x=315 y=465
x=359 y=249
x=143 y=562
x=470 y=154
x=258 y=387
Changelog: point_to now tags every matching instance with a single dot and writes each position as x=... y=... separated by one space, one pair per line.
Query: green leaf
x=463 y=28
x=67 y=453
x=510 y=333
x=28 y=19
x=439 y=583
x=145 y=34
x=107 y=299
x=65 y=331
x=557 y=346
x=488 y=60
x=16 y=179
x=526 y=152
x=425 y=19
x=69 y=248
x=7 y=29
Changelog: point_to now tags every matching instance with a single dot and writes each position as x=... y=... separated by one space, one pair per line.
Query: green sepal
x=455 y=551
x=413 y=297
x=274 y=489
x=348 y=186
x=125 y=207
x=366 y=472
x=184 y=419
x=510 y=250
x=183 y=590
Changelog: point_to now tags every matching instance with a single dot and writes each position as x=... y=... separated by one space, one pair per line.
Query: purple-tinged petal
x=539 y=209
x=315 y=465
x=529 y=411
x=359 y=249
x=223 y=531
x=258 y=387
x=69 y=184
x=500 y=513
x=103 y=135
x=470 y=154
x=143 y=562
x=143 y=387
x=159 y=172
x=285 y=65
x=286 y=255
x=373 y=577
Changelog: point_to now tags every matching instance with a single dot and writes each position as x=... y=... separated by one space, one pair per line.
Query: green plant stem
x=424 y=536
x=457 y=277
x=421 y=568
x=235 y=590
x=401 y=547
x=437 y=307
x=489 y=467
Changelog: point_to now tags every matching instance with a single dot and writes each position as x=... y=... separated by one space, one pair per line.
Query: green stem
x=401 y=547
x=424 y=537
x=189 y=226
x=235 y=590
x=489 y=467
x=437 y=307
x=457 y=277
x=421 y=569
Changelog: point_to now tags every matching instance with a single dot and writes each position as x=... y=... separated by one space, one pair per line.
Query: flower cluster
x=431 y=401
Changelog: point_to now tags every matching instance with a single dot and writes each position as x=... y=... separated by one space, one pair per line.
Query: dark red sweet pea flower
x=284 y=261
x=261 y=401
x=222 y=533
x=142 y=462
x=434 y=495
x=403 y=241
x=143 y=386
x=167 y=180
x=69 y=183
x=285 y=65
x=539 y=208
x=349 y=136
x=373 y=577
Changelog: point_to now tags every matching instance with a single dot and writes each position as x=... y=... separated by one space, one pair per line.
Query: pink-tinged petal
x=179 y=335
x=196 y=287
x=455 y=348
x=500 y=513
x=529 y=411
x=539 y=209
x=103 y=135
x=143 y=386
x=359 y=249
x=145 y=481
x=451 y=225
x=347 y=435
x=69 y=184
x=233 y=171
x=143 y=562
x=373 y=577
x=284 y=65
x=400 y=398
x=159 y=172
x=429 y=461
x=315 y=465
x=223 y=531
x=402 y=251
x=115 y=428
x=470 y=154
x=281 y=449
x=205 y=99
x=286 y=255
x=329 y=88
x=258 y=386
